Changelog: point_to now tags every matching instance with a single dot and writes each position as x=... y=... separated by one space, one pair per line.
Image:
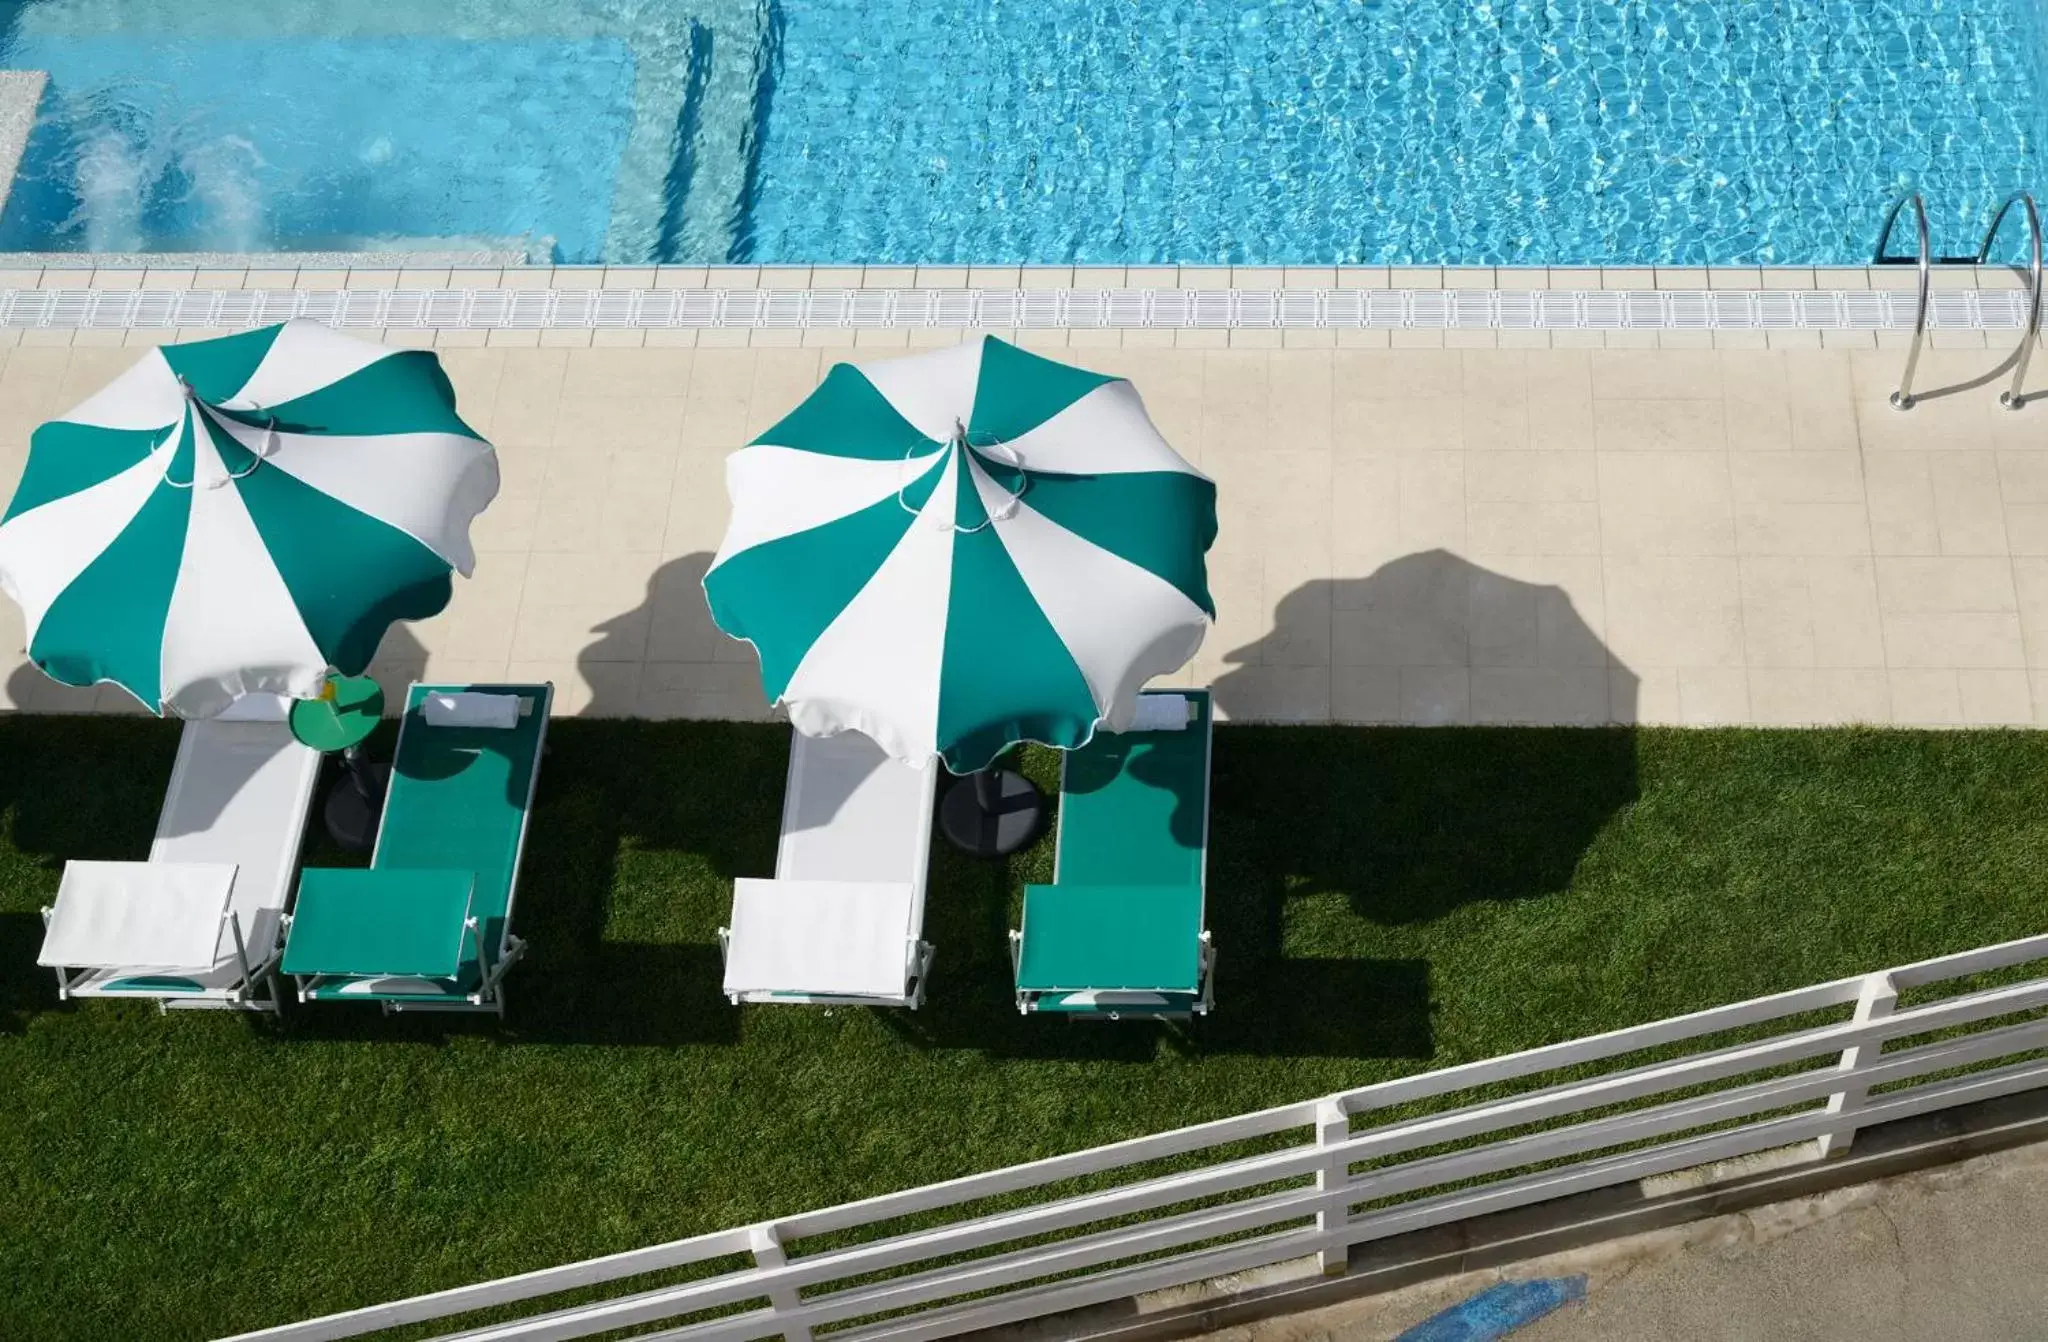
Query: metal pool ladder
x=2030 y=329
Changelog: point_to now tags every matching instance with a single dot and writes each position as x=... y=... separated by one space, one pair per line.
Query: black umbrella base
x=992 y=813
x=355 y=804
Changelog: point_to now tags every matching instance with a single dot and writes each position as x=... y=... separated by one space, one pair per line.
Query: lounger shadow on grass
x=26 y=988
x=609 y=961
x=629 y=868
x=1348 y=1008
x=63 y=802
x=1266 y=1005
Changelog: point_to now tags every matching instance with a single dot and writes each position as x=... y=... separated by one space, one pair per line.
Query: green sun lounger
x=1120 y=931
x=428 y=927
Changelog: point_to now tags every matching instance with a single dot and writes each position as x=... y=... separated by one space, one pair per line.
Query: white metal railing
x=1313 y=1178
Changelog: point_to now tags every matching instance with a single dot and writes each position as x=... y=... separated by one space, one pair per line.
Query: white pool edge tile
x=496 y=270
x=91 y=301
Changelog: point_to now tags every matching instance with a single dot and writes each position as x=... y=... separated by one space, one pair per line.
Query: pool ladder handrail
x=2030 y=329
x=1925 y=260
x=1902 y=399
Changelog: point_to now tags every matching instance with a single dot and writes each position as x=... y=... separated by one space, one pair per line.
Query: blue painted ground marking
x=1498 y=1311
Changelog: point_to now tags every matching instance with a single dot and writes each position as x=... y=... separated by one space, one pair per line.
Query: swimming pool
x=1047 y=131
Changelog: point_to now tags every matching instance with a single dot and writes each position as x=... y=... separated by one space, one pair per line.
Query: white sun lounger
x=843 y=920
x=199 y=924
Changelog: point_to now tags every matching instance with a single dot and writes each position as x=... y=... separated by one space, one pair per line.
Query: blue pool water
x=1112 y=131
x=156 y=166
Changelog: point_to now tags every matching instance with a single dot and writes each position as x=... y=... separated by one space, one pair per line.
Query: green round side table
x=339 y=722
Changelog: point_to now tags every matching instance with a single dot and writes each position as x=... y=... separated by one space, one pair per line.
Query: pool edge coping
x=379 y=271
x=433 y=313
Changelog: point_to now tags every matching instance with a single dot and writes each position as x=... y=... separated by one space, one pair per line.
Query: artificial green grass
x=1382 y=901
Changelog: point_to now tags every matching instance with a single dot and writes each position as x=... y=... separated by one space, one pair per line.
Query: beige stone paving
x=1417 y=535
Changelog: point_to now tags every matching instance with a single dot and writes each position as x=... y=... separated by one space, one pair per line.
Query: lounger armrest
x=846 y=938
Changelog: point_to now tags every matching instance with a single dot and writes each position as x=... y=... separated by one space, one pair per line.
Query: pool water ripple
x=1432 y=131
x=1029 y=131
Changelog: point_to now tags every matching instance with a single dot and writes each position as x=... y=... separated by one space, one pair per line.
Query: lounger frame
x=255 y=990
x=918 y=953
x=489 y=994
x=1137 y=1006
x=918 y=967
x=256 y=986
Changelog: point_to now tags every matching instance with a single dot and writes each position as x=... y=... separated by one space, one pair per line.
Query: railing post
x=1875 y=1002
x=767 y=1247
x=1333 y=1125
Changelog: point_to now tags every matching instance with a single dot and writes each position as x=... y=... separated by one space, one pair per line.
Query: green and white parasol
x=961 y=550
x=243 y=514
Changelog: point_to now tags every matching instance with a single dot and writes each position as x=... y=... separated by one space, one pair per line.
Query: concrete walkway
x=1958 y=1253
x=1414 y=535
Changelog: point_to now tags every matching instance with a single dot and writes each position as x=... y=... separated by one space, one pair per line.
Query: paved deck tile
x=1409 y=535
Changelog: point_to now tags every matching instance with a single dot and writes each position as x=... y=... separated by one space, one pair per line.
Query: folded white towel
x=1162 y=713
x=470 y=709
